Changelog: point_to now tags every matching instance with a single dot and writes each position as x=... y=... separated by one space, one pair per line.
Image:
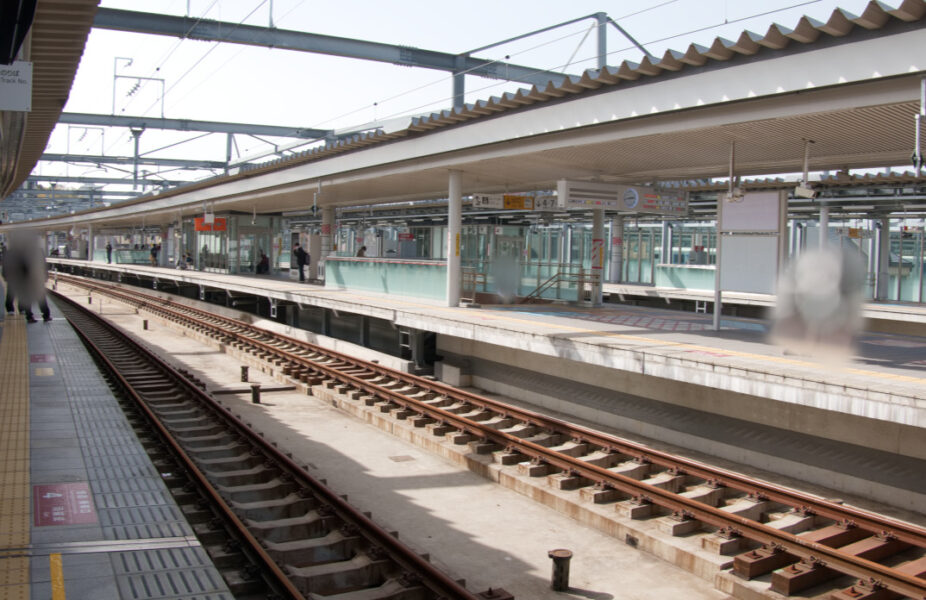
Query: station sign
x=406 y=237
x=504 y=201
x=217 y=224
x=16 y=86
x=622 y=198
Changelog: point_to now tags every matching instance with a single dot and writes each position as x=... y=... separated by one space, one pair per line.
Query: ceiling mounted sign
x=622 y=198
x=16 y=86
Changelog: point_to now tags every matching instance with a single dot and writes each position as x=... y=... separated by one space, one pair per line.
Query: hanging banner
x=597 y=254
x=200 y=224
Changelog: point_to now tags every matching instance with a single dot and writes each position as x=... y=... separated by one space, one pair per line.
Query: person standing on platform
x=302 y=259
x=263 y=263
x=362 y=252
x=25 y=272
x=109 y=253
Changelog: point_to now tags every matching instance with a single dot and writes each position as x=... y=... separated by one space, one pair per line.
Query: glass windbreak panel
x=422 y=242
x=905 y=267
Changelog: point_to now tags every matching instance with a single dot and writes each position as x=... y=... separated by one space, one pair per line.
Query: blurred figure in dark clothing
x=25 y=271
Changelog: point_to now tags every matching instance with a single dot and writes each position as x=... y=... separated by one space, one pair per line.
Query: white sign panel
x=754 y=211
x=488 y=201
x=624 y=198
x=16 y=86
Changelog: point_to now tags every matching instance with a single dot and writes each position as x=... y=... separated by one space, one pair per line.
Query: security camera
x=805 y=191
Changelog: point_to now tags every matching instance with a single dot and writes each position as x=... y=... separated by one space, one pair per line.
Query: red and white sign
x=200 y=224
x=63 y=504
x=597 y=253
x=406 y=237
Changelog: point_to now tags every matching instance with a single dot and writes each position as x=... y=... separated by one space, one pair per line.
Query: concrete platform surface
x=83 y=512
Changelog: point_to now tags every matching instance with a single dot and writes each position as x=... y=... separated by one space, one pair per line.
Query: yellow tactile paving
x=15 y=498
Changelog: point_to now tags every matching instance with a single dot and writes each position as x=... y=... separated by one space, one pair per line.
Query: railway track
x=270 y=527
x=795 y=540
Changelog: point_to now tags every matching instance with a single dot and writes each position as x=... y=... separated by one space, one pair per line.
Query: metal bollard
x=244 y=373
x=561 y=557
x=255 y=396
x=144 y=324
x=89 y=299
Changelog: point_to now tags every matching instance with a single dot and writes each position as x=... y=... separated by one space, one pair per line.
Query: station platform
x=83 y=512
x=597 y=363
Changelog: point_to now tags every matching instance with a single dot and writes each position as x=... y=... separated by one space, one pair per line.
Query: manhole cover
x=401 y=458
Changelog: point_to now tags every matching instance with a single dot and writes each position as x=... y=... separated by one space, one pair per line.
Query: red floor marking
x=41 y=358
x=63 y=504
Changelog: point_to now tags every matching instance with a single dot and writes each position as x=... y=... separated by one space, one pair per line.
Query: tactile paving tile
x=144 y=484
x=15 y=498
x=182 y=573
x=131 y=499
x=122 y=460
x=127 y=499
x=123 y=472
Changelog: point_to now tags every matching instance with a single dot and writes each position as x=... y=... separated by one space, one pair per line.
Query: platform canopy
x=54 y=46
x=851 y=85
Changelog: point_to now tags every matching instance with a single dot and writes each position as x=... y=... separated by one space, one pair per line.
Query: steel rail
x=431 y=577
x=684 y=507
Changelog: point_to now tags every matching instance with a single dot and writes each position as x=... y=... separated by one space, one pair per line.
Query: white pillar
x=598 y=250
x=454 y=225
x=616 y=270
x=327 y=231
x=884 y=257
x=824 y=225
x=327 y=244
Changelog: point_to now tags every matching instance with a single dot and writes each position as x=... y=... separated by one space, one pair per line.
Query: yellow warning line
x=57 y=577
x=14 y=460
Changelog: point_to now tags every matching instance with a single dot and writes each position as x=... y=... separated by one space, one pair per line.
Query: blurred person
x=263 y=264
x=362 y=252
x=302 y=259
x=25 y=272
x=109 y=253
x=819 y=307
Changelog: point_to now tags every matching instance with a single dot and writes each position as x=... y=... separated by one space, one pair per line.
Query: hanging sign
x=504 y=201
x=623 y=198
x=16 y=86
x=200 y=224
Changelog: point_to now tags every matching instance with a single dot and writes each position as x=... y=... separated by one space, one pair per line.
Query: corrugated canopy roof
x=54 y=45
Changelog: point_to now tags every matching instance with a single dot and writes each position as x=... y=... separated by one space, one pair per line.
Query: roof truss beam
x=102 y=180
x=218 y=31
x=191 y=125
x=128 y=160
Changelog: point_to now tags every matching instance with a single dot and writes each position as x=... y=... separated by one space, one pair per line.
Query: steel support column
x=616 y=271
x=884 y=259
x=602 y=19
x=598 y=250
x=327 y=237
x=824 y=224
x=454 y=225
x=136 y=133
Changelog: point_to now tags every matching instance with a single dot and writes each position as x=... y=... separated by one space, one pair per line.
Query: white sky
x=235 y=83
